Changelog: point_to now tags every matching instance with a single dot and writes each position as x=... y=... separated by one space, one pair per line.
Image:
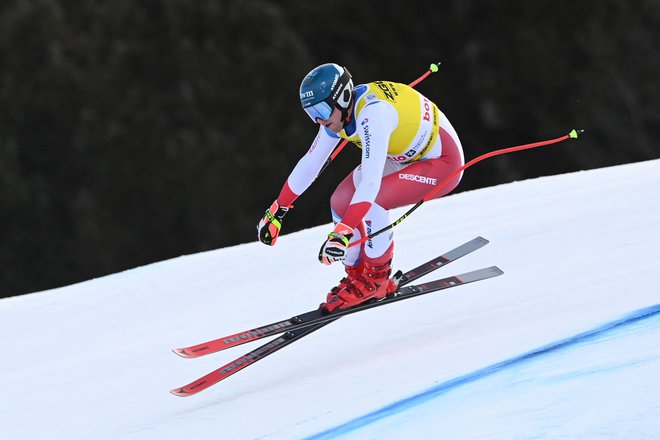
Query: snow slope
x=564 y=345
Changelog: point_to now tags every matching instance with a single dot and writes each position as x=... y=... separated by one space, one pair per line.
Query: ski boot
x=373 y=283
x=352 y=272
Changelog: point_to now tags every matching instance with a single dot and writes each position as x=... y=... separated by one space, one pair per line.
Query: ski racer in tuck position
x=408 y=147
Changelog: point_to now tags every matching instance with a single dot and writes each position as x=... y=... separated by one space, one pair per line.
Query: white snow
x=564 y=345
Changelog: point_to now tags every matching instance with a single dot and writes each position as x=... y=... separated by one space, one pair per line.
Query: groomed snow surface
x=564 y=345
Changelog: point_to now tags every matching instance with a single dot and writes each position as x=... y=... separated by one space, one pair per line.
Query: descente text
x=420 y=179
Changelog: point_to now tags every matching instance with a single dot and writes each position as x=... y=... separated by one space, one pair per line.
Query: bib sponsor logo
x=427 y=110
x=420 y=179
x=387 y=90
x=420 y=141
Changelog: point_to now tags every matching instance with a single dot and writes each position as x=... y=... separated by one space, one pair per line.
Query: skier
x=408 y=147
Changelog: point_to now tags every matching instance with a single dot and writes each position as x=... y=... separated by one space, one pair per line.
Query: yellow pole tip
x=434 y=67
x=575 y=133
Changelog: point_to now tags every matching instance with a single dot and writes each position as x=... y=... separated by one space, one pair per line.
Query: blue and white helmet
x=324 y=88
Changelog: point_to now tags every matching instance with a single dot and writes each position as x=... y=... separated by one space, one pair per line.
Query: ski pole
x=572 y=135
x=432 y=69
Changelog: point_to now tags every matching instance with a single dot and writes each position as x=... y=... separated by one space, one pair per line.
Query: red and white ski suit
x=408 y=147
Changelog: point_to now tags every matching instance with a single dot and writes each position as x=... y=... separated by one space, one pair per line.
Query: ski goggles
x=321 y=110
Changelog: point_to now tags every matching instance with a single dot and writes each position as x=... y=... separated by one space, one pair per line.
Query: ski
x=290 y=336
x=317 y=316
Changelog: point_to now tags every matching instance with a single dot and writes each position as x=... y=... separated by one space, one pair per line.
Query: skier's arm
x=299 y=180
x=375 y=126
x=308 y=167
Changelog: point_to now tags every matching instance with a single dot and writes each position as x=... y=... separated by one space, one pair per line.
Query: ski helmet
x=324 y=88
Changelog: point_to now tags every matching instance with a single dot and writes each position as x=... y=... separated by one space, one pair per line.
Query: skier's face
x=333 y=123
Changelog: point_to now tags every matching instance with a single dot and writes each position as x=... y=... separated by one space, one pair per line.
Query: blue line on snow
x=442 y=388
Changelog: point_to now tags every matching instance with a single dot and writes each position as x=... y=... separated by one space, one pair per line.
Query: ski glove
x=269 y=227
x=335 y=247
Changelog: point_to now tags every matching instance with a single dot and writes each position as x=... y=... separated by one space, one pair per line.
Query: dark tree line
x=131 y=132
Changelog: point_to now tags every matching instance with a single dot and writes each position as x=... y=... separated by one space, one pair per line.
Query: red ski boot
x=374 y=282
x=352 y=272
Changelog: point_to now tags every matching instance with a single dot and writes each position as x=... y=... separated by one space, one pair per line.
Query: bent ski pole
x=572 y=135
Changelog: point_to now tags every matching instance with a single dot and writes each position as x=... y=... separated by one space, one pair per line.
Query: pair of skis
x=302 y=325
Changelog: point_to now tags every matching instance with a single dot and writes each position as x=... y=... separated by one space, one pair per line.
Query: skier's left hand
x=335 y=247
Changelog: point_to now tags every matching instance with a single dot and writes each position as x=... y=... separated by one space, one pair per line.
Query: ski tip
x=180 y=392
x=181 y=352
x=496 y=271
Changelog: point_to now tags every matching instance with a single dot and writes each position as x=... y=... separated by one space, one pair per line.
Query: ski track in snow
x=564 y=345
x=596 y=335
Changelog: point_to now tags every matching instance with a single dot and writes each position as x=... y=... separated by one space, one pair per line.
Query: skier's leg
x=373 y=281
x=354 y=262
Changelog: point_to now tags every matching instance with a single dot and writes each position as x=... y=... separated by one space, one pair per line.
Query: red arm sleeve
x=287 y=196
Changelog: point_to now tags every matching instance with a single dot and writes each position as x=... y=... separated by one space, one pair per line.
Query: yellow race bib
x=418 y=120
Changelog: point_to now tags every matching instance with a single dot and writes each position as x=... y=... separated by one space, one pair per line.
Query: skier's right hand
x=269 y=227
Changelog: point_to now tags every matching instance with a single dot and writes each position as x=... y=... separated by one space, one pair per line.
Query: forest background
x=132 y=132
